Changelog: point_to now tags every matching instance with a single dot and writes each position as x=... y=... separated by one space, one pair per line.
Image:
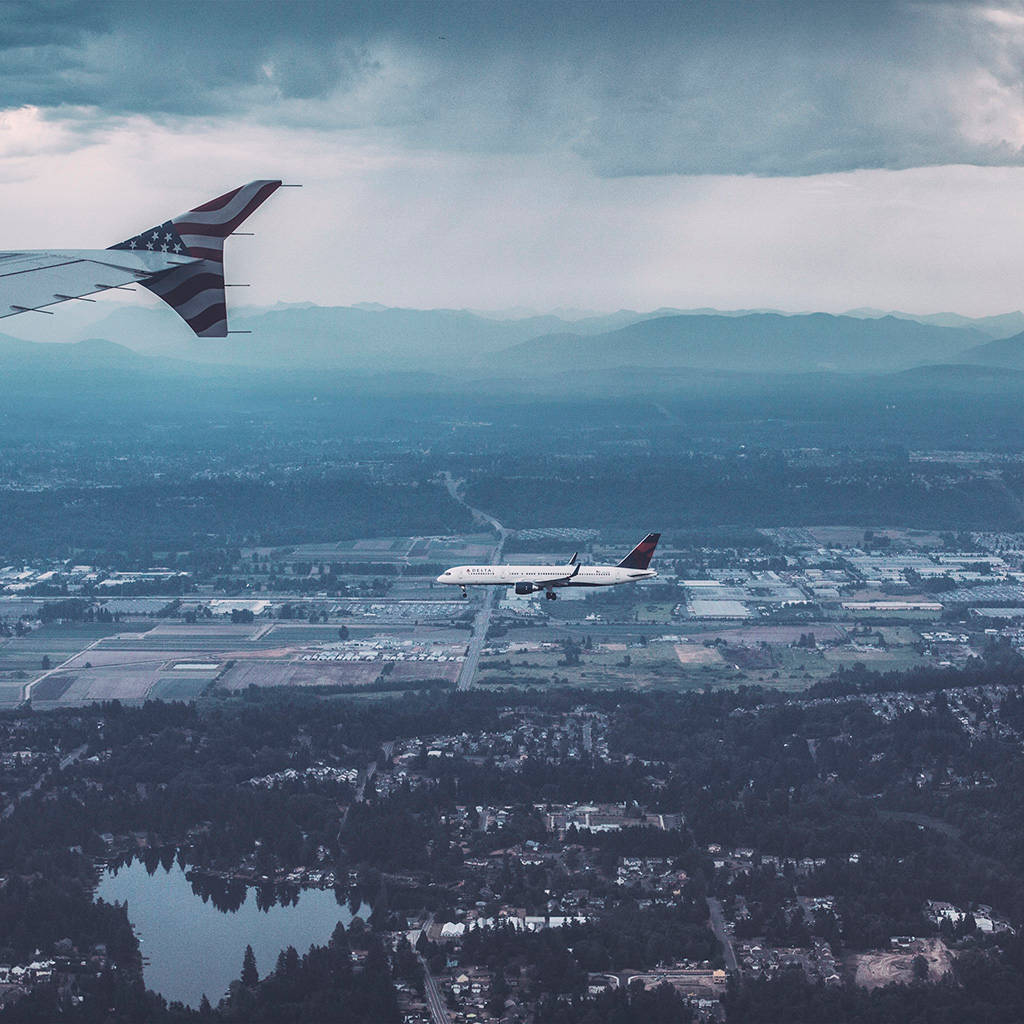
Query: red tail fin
x=640 y=556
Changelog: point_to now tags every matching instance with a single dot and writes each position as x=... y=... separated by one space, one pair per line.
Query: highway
x=476 y=641
x=483 y=616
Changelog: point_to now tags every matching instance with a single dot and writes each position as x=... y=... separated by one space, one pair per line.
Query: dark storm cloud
x=632 y=88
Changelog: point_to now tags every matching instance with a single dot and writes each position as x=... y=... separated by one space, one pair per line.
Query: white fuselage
x=543 y=577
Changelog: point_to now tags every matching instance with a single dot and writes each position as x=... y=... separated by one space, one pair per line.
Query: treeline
x=999 y=664
x=763 y=489
x=181 y=515
x=322 y=986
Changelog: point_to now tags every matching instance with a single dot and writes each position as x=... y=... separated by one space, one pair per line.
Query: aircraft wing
x=32 y=280
x=556 y=577
x=181 y=261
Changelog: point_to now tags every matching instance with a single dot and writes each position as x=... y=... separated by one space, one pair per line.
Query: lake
x=192 y=948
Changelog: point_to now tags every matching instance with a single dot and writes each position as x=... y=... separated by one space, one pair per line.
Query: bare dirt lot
x=408 y=670
x=698 y=654
x=299 y=673
x=873 y=970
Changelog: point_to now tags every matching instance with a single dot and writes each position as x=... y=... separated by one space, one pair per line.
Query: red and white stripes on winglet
x=195 y=290
x=204 y=229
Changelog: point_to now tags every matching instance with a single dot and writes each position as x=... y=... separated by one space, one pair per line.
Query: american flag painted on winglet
x=195 y=290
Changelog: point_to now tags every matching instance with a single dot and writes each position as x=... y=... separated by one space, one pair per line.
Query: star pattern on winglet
x=159 y=239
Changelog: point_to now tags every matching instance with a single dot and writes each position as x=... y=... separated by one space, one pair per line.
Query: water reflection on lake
x=192 y=947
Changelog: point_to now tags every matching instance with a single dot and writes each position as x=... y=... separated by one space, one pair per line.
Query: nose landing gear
x=464 y=594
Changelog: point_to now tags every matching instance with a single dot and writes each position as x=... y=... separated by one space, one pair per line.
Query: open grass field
x=757 y=655
x=656 y=665
x=881 y=660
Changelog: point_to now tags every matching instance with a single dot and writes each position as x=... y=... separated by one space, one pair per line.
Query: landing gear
x=464 y=594
x=551 y=595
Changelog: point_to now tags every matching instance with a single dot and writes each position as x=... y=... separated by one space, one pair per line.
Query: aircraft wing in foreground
x=181 y=260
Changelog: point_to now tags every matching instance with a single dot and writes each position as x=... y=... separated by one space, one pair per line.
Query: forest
x=96 y=522
x=821 y=779
x=768 y=488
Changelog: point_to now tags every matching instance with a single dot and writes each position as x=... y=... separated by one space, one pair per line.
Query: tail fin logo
x=195 y=290
x=640 y=557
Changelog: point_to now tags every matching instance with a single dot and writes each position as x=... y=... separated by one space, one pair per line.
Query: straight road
x=718 y=927
x=476 y=641
x=438 y=1011
x=483 y=616
x=26 y=692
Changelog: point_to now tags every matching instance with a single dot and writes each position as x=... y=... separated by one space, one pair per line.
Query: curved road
x=483 y=616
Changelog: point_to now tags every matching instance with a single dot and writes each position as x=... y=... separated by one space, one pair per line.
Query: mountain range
x=456 y=343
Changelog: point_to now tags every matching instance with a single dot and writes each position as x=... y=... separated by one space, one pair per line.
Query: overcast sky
x=797 y=155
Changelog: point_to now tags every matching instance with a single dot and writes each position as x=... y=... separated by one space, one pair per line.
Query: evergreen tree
x=250 y=975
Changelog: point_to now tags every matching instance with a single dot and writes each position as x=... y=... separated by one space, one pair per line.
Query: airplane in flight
x=529 y=579
x=181 y=261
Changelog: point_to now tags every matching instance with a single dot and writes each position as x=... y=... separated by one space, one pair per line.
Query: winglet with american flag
x=194 y=285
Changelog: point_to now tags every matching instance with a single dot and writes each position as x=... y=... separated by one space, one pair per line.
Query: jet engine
x=526 y=588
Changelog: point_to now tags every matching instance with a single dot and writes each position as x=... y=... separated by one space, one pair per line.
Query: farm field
x=21 y=657
x=296 y=673
x=133 y=662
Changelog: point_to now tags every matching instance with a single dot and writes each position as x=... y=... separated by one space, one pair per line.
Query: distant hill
x=108 y=378
x=342 y=337
x=93 y=353
x=1006 y=352
x=380 y=340
x=756 y=343
x=1002 y=325
x=94 y=364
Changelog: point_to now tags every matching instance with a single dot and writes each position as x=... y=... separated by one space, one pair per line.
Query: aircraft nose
x=441 y=579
